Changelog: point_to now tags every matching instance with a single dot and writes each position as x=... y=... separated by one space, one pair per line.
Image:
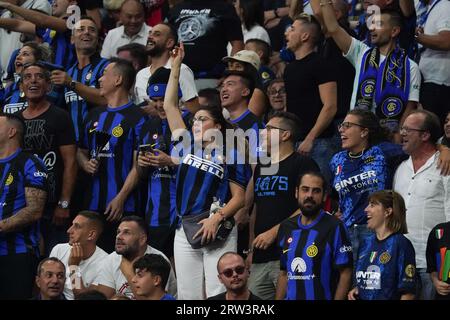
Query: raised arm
x=39 y=19
x=340 y=36
x=171 y=99
x=17 y=25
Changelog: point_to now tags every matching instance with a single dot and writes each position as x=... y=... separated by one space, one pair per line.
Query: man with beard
x=274 y=200
x=387 y=82
x=316 y=260
x=116 y=274
x=234 y=275
x=161 y=40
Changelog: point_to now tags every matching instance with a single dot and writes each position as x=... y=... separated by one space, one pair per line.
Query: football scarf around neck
x=388 y=83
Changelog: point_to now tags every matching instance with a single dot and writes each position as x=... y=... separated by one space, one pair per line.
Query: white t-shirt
x=111 y=276
x=187 y=83
x=117 y=38
x=89 y=268
x=10 y=41
x=355 y=55
x=434 y=64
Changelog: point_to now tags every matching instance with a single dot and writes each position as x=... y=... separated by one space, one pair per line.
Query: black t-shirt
x=275 y=198
x=345 y=73
x=205 y=27
x=43 y=136
x=302 y=79
x=438 y=254
x=222 y=296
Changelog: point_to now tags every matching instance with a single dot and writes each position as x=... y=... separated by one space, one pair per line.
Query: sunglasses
x=229 y=272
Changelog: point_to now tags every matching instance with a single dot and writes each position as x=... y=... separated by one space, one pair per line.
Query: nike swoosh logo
x=286 y=250
x=92 y=130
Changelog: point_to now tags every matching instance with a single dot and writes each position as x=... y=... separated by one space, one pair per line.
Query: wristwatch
x=63 y=204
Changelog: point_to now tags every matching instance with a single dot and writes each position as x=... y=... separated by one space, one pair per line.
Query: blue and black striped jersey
x=124 y=125
x=248 y=121
x=19 y=171
x=200 y=180
x=62 y=48
x=312 y=255
x=77 y=107
x=13 y=99
x=160 y=208
x=385 y=269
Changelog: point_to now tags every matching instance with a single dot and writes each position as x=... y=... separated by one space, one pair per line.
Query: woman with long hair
x=207 y=177
x=386 y=265
x=366 y=164
x=12 y=98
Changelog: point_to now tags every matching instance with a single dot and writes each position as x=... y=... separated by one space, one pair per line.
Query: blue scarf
x=388 y=84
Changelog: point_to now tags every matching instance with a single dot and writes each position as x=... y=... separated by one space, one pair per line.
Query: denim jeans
x=425 y=288
x=322 y=151
x=357 y=234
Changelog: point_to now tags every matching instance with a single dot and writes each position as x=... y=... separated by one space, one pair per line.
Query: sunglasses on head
x=229 y=272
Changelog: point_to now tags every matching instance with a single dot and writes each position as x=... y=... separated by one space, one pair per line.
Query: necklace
x=356 y=156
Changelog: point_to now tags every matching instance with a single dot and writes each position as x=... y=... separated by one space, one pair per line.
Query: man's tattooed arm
x=35 y=200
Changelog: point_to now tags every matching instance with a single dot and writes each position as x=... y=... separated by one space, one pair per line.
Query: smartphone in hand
x=145 y=148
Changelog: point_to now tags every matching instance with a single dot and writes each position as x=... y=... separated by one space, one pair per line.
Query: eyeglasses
x=269 y=127
x=408 y=130
x=229 y=272
x=274 y=92
x=346 y=125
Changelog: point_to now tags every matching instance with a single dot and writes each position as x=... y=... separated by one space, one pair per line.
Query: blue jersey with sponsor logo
x=77 y=107
x=19 y=171
x=385 y=269
x=160 y=209
x=312 y=254
x=123 y=124
x=13 y=99
x=203 y=176
x=356 y=178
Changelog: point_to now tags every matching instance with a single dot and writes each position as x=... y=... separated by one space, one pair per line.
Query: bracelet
x=325 y=3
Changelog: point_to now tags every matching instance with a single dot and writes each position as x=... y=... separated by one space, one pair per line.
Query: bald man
x=132 y=30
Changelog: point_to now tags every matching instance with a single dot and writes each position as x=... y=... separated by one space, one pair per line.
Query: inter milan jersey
x=438 y=254
x=124 y=125
x=77 y=107
x=356 y=178
x=63 y=50
x=19 y=171
x=275 y=198
x=385 y=269
x=44 y=135
x=161 y=189
x=201 y=178
x=13 y=99
x=311 y=256
x=250 y=121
